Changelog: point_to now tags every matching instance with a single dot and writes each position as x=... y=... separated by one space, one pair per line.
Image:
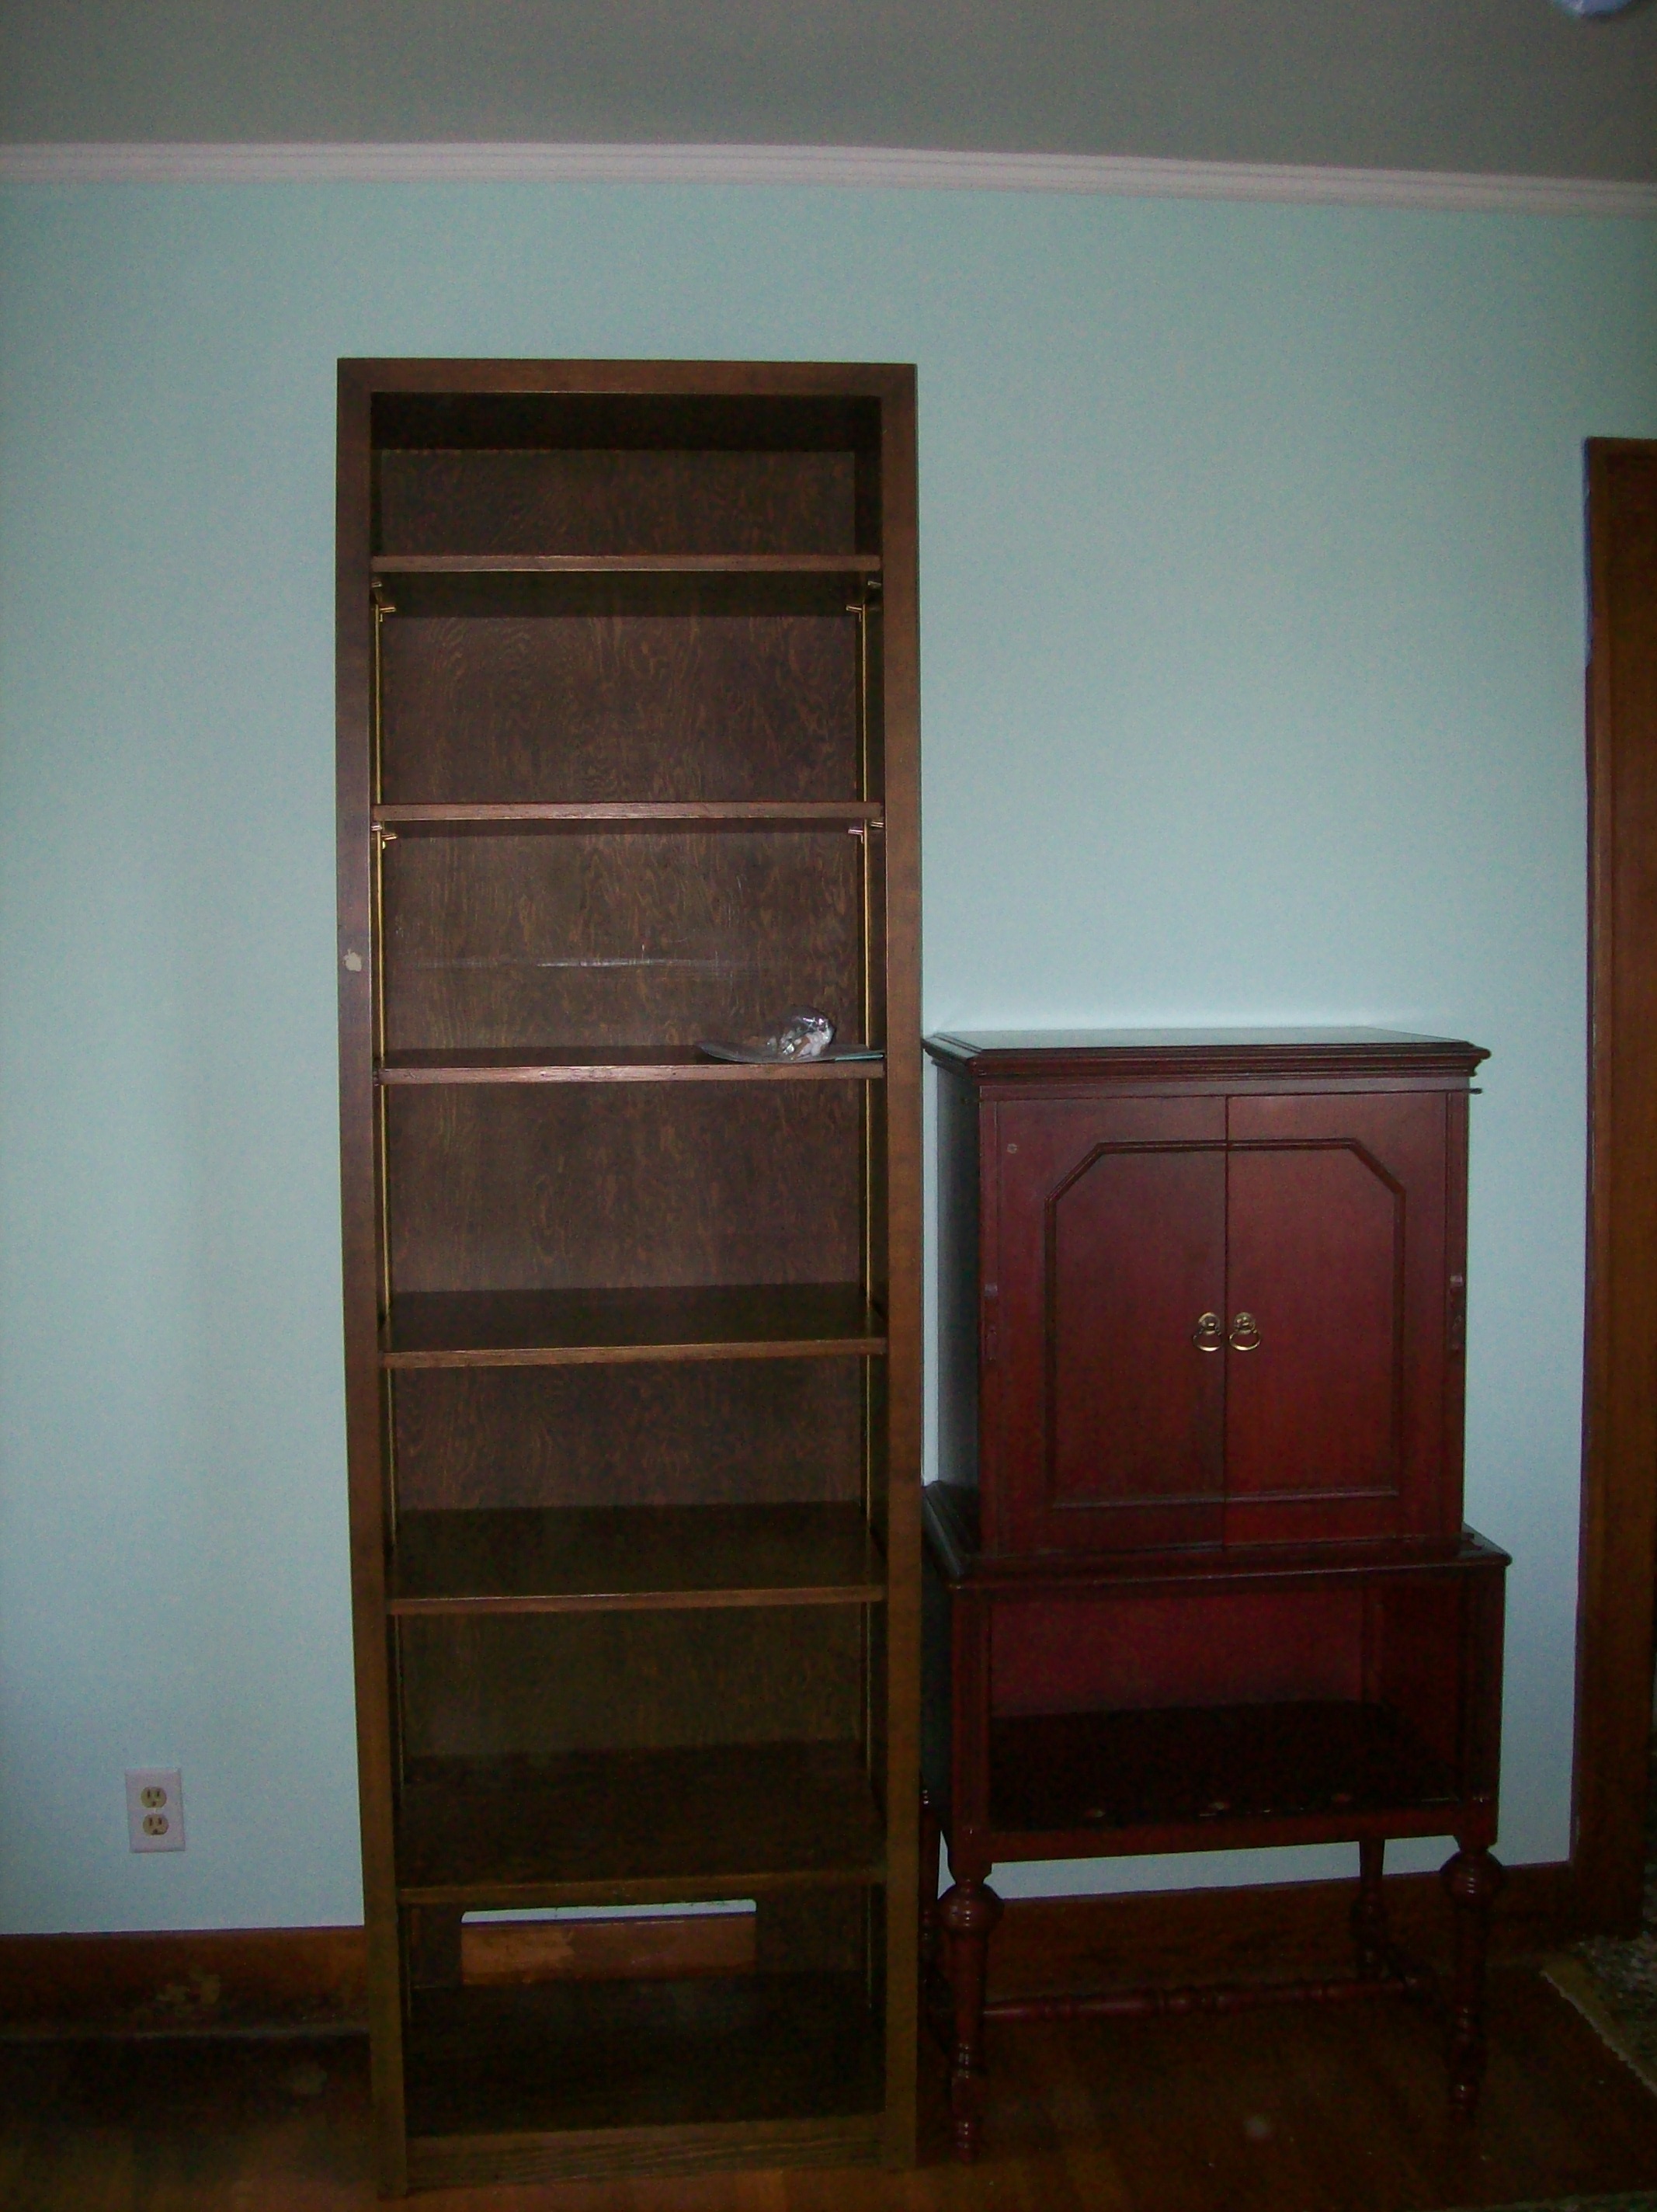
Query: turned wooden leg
x=928 y=1858
x=968 y=1912
x=1471 y=1880
x=1370 y=1912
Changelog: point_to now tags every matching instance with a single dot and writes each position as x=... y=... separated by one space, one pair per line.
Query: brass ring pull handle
x=1206 y=1334
x=1244 y=1334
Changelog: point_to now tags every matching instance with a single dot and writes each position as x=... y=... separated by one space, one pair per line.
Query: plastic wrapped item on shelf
x=801 y=1033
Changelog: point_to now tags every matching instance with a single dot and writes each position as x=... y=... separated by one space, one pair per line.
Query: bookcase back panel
x=540 y=1684
x=717 y=1432
x=530 y=1186
x=506 y=501
x=509 y=2064
x=682 y=703
x=817 y=1931
x=632 y=939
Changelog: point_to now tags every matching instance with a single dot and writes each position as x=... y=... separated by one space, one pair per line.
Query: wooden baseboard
x=313 y=1980
x=212 y=1981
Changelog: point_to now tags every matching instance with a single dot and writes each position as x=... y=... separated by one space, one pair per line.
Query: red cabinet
x=1228 y=1316
x=1220 y=1288
x=1203 y=1317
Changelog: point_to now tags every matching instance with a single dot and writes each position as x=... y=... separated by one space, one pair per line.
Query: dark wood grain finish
x=630 y=2155
x=1135 y=1245
x=1213 y=1319
x=1109 y=1413
x=952 y=1515
x=888 y=500
x=680 y=705
x=1209 y=1059
x=1418 y=1642
x=628 y=406
x=1153 y=1702
x=1223 y=1598
x=1619 y=1494
x=750 y=2047
x=637 y=685
x=590 y=1064
x=595 y=942
x=1336 y=1243
x=1223 y=1765
x=1079 y=1652
x=764 y=1320
x=667 y=1947
x=604 y=1558
x=641 y=1826
x=476 y=1686
x=514 y=817
x=965 y=1306
x=1315 y=1240
x=354 y=664
x=627 y=566
x=692 y=1432
x=648 y=1186
x=1134 y=2115
x=117 y=1988
x=582 y=503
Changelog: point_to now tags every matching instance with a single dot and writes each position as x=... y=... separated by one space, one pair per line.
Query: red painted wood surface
x=1210 y=1587
x=1075 y=1653
x=1337 y=1247
x=1110 y=1221
x=1217 y=1309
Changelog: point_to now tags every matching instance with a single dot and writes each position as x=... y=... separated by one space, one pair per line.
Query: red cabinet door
x=1335 y=1269
x=1103 y=1270
x=1209 y=1319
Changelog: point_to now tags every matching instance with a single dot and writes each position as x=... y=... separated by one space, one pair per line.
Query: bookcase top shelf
x=576 y=1328
x=599 y=814
x=611 y=1558
x=615 y=1064
x=626 y=564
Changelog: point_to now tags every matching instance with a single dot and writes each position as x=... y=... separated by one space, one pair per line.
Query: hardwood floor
x=1297 y=2111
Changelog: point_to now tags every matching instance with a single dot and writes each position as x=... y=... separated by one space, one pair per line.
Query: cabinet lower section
x=567 y=2057
x=1192 y=1701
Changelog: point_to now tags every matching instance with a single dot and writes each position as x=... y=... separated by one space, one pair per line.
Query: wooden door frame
x=1619 y=1553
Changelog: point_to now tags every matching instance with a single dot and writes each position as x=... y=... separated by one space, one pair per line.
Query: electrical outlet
x=155 y=1808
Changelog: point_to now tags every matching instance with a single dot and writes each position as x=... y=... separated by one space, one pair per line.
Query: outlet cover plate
x=155 y=1808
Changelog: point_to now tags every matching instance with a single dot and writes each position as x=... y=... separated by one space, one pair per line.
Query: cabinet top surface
x=998 y=1052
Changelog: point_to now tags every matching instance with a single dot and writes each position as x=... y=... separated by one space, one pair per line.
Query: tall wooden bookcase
x=627 y=758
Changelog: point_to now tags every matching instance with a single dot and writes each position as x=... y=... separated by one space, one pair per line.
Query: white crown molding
x=850 y=166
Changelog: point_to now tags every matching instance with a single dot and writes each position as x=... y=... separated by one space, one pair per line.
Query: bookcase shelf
x=638 y=1827
x=626 y=564
x=639 y=2056
x=594 y=1558
x=745 y=1321
x=623 y=1064
x=626 y=672
x=624 y=814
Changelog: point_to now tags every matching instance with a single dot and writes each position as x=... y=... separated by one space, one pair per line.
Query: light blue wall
x=1252 y=640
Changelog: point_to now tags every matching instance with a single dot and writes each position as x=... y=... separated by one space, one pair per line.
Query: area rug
x=1642 y=2199
x=1614 y=1986
x=1613 y=1981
